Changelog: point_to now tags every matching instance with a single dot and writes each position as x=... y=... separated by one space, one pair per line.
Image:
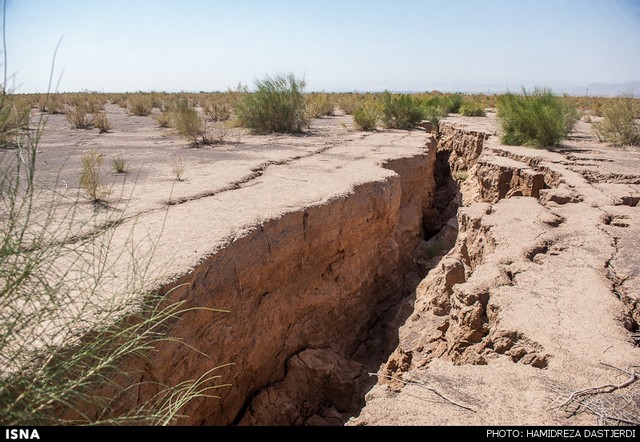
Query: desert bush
x=79 y=117
x=119 y=164
x=91 y=176
x=454 y=102
x=214 y=134
x=537 y=119
x=187 y=121
x=319 y=105
x=14 y=119
x=163 y=118
x=400 y=111
x=349 y=102
x=277 y=105
x=102 y=122
x=217 y=111
x=140 y=104
x=618 y=125
x=366 y=116
x=471 y=109
x=51 y=103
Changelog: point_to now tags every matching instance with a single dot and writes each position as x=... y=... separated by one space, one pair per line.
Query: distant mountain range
x=604 y=89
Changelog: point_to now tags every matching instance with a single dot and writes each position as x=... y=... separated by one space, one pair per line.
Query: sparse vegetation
x=140 y=104
x=163 y=118
x=102 y=123
x=178 y=168
x=119 y=164
x=461 y=175
x=277 y=105
x=187 y=121
x=471 y=109
x=214 y=134
x=537 y=119
x=64 y=344
x=79 y=117
x=401 y=111
x=14 y=118
x=618 y=125
x=91 y=176
x=319 y=105
x=217 y=111
x=366 y=116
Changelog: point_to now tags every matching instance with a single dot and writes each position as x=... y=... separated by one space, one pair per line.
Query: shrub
x=319 y=105
x=366 y=116
x=618 y=125
x=349 y=102
x=50 y=103
x=277 y=105
x=119 y=164
x=14 y=119
x=217 y=111
x=446 y=104
x=91 y=176
x=214 y=134
x=434 y=115
x=537 y=119
x=102 y=123
x=79 y=117
x=163 y=118
x=471 y=109
x=140 y=104
x=187 y=121
x=400 y=111
x=454 y=103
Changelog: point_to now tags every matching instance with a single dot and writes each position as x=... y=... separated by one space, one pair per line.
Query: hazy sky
x=337 y=45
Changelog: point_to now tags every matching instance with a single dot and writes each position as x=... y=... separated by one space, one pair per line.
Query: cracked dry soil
x=501 y=277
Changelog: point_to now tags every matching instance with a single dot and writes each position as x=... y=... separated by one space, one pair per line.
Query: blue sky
x=337 y=45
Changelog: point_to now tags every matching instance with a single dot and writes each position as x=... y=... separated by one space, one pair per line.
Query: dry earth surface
x=539 y=292
x=501 y=277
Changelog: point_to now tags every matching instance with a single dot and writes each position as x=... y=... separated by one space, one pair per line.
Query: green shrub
x=187 y=121
x=537 y=119
x=400 y=111
x=319 y=105
x=14 y=118
x=454 y=102
x=618 y=125
x=366 y=116
x=446 y=104
x=277 y=105
x=471 y=109
x=140 y=104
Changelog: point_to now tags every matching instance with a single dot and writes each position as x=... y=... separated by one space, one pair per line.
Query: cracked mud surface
x=540 y=288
